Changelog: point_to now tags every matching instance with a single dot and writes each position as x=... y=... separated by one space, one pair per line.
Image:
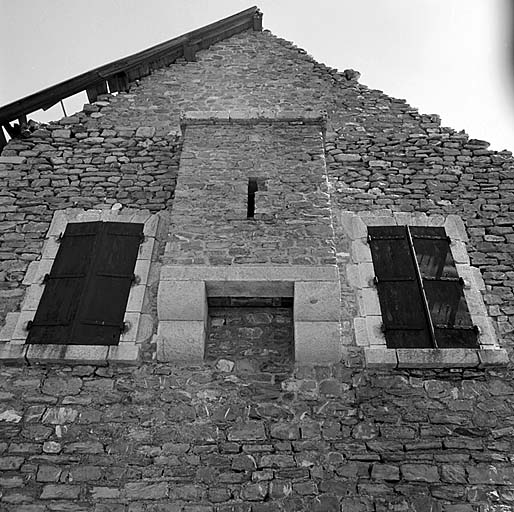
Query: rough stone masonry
x=227 y=435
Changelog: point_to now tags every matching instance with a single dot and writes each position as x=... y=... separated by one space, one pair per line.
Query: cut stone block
x=368 y=302
x=182 y=300
x=249 y=288
x=317 y=301
x=136 y=298
x=124 y=353
x=498 y=357
x=249 y=273
x=32 y=297
x=181 y=341
x=361 y=252
x=132 y=320
x=85 y=354
x=380 y=358
x=46 y=353
x=20 y=332
x=437 y=358
x=10 y=353
x=317 y=342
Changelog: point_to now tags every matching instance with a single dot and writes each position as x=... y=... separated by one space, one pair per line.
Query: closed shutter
x=403 y=312
x=100 y=319
x=64 y=286
x=452 y=322
x=86 y=292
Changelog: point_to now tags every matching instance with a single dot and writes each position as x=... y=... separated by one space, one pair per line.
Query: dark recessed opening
x=254 y=332
x=252 y=188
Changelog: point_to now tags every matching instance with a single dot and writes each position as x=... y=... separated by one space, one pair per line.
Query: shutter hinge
x=135 y=280
x=46 y=278
x=141 y=238
x=60 y=237
x=375 y=281
x=29 y=325
x=124 y=327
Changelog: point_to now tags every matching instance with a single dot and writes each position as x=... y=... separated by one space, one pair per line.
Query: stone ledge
x=248 y=273
x=10 y=353
x=434 y=358
x=251 y=116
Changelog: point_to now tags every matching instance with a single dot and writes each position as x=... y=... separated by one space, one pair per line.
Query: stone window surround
x=140 y=325
x=183 y=312
x=368 y=322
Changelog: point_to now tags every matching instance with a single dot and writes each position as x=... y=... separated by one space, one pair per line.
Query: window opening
x=421 y=295
x=87 y=289
x=258 y=330
x=252 y=188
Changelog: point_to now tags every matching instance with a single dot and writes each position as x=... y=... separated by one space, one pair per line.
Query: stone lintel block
x=403 y=218
x=124 y=353
x=7 y=331
x=380 y=358
x=181 y=341
x=455 y=228
x=46 y=353
x=317 y=301
x=85 y=354
x=249 y=288
x=182 y=300
x=496 y=357
x=249 y=273
x=317 y=342
x=437 y=358
x=379 y=220
x=89 y=216
x=418 y=219
x=10 y=353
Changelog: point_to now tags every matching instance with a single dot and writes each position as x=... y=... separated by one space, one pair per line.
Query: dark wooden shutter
x=57 y=309
x=89 y=285
x=452 y=322
x=403 y=311
x=100 y=319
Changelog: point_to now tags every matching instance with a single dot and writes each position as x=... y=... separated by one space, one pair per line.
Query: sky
x=448 y=57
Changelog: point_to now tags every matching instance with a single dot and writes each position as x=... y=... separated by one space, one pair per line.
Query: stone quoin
x=257 y=345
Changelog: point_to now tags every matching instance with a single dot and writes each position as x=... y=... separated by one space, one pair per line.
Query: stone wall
x=201 y=440
x=162 y=437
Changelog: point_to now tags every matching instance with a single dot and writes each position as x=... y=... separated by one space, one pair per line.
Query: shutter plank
x=453 y=326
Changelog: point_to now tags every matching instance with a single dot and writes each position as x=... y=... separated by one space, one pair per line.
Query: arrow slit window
x=420 y=293
x=87 y=289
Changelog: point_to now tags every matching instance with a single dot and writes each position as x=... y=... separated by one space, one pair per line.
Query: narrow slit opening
x=252 y=188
